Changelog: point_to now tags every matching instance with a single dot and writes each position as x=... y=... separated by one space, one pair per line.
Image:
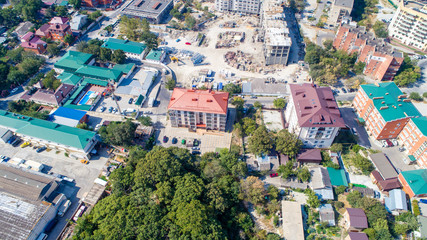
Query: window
x=316 y=141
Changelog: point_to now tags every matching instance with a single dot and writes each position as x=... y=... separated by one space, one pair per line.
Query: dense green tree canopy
x=260 y=142
x=118 y=133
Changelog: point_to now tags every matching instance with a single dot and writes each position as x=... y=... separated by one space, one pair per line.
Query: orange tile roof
x=199 y=101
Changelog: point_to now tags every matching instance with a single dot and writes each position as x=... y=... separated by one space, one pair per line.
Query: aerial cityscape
x=214 y=119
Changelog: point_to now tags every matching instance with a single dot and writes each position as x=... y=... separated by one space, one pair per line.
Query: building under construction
x=277 y=42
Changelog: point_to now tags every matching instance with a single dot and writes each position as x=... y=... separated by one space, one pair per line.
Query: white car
x=384 y=143
x=354 y=131
x=394 y=141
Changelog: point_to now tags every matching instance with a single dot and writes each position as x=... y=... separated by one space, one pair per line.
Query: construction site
x=230 y=39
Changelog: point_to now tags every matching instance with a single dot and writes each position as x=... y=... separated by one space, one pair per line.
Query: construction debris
x=230 y=39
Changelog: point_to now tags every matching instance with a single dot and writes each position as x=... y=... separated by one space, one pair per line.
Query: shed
x=355 y=219
x=327 y=214
x=321 y=183
x=5 y=134
x=396 y=201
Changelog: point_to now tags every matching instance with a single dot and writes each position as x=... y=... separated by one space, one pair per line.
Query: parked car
x=25 y=144
x=41 y=149
x=165 y=139
x=174 y=140
x=187 y=43
x=102 y=109
x=343 y=90
x=195 y=152
x=274 y=174
x=178 y=40
x=384 y=143
x=110 y=110
x=14 y=90
x=254 y=97
x=183 y=141
x=401 y=149
x=196 y=142
x=195 y=148
x=389 y=143
x=16 y=142
x=84 y=161
x=354 y=131
x=394 y=141
x=130 y=101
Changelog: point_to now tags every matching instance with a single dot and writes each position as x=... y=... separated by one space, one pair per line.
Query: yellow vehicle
x=84 y=161
x=25 y=144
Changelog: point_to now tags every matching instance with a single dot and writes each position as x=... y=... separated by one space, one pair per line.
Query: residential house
x=78 y=21
x=414 y=182
x=396 y=201
x=267 y=162
x=365 y=192
x=327 y=214
x=198 y=109
x=384 y=109
x=96 y=3
x=31 y=42
x=77 y=141
x=414 y=138
x=355 y=220
x=156 y=56
x=23 y=28
x=384 y=185
x=134 y=50
x=381 y=60
x=56 y=29
x=313 y=115
x=321 y=183
x=69 y=117
x=357 y=236
x=50 y=97
x=386 y=175
x=339 y=9
x=241 y=7
x=309 y=156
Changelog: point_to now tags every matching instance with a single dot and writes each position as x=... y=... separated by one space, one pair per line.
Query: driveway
x=350 y=120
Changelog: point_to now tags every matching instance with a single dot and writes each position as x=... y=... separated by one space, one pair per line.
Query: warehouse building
x=152 y=10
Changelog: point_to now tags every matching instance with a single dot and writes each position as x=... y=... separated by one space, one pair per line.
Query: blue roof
x=396 y=200
x=69 y=113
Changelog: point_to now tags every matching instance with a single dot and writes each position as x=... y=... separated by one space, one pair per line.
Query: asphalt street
x=350 y=119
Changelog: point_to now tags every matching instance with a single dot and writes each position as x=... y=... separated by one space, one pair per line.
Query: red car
x=389 y=143
x=274 y=174
x=187 y=43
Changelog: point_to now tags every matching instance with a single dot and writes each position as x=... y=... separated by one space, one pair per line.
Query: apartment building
x=409 y=24
x=381 y=61
x=277 y=42
x=414 y=138
x=384 y=108
x=339 y=9
x=313 y=115
x=238 y=6
x=198 y=109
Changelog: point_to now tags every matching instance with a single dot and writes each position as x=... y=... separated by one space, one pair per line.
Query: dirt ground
x=215 y=57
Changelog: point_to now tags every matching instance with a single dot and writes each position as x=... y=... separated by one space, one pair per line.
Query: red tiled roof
x=199 y=101
x=342 y=31
x=315 y=106
x=357 y=218
x=310 y=155
x=389 y=184
x=377 y=176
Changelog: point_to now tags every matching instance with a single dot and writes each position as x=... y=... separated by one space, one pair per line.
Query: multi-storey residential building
x=277 y=42
x=339 y=9
x=414 y=138
x=238 y=6
x=198 y=109
x=381 y=61
x=409 y=24
x=384 y=108
x=33 y=43
x=56 y=29
x=313 y=115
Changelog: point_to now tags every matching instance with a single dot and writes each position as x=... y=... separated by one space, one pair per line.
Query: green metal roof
x=139 y=100
x=63 y=3
x=95 y=82
x=73 y=60
x=125 y=68
x=337 y=177
x=99 y=73
x=421 y=123
x=417 y=180
x=125 y=45
x=390 y=102
x=154 y=55
x=69 y=78
x=49 y=131
x=412 y=158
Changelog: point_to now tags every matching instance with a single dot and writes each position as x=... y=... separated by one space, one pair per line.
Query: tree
x=286 y=170
x=353 y=197
x=340 y=190
x=93 y=16
x=109 y=28
x=313 y=201
x=303 y=174
x=118 y=133
x=252 y=189
x=76 y=3
x=380 y=29
x=81 y=46
x=415 y=96
x=83 y=125
x=61 y=11
x=358 y=69
x=249 y=125
x=287 y=143
x=50 y=81
x=69 y=39
x=190 y=21
x=52 y=49
x=238 y=102
x=232 y=88
x=118 y=56
x=145 y=120
x=260 y=142
x=336 y=147
x=279 y=103
x=257 y=105
x=150 y=40
x=170 y=84
x=105 y=54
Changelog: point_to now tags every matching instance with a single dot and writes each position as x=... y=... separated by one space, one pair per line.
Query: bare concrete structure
x=238 y=6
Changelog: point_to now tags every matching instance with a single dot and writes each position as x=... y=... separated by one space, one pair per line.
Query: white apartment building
x=313 y=115
x=198 y=109
x=238 y=6
x=409 y=24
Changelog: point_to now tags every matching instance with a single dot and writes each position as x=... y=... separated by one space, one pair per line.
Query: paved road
x=319 y=10
x=350 y=120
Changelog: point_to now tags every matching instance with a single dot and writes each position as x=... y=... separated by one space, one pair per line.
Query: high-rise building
x=277 y=42
x=238 y=6
x=409 y=24
x=313 y=115
x=198 y=109
x=339 y=9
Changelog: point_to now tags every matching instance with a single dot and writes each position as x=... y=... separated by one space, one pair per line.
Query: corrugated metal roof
x=125 y=45
x=72 y=60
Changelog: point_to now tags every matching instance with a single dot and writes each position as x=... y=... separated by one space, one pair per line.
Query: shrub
x=415 y=207
x=415 y=96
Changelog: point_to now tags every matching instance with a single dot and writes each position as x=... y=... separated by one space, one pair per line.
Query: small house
x=355 y=220
x=327 y=214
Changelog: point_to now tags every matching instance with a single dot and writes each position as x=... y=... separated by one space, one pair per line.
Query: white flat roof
x=293 y=226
